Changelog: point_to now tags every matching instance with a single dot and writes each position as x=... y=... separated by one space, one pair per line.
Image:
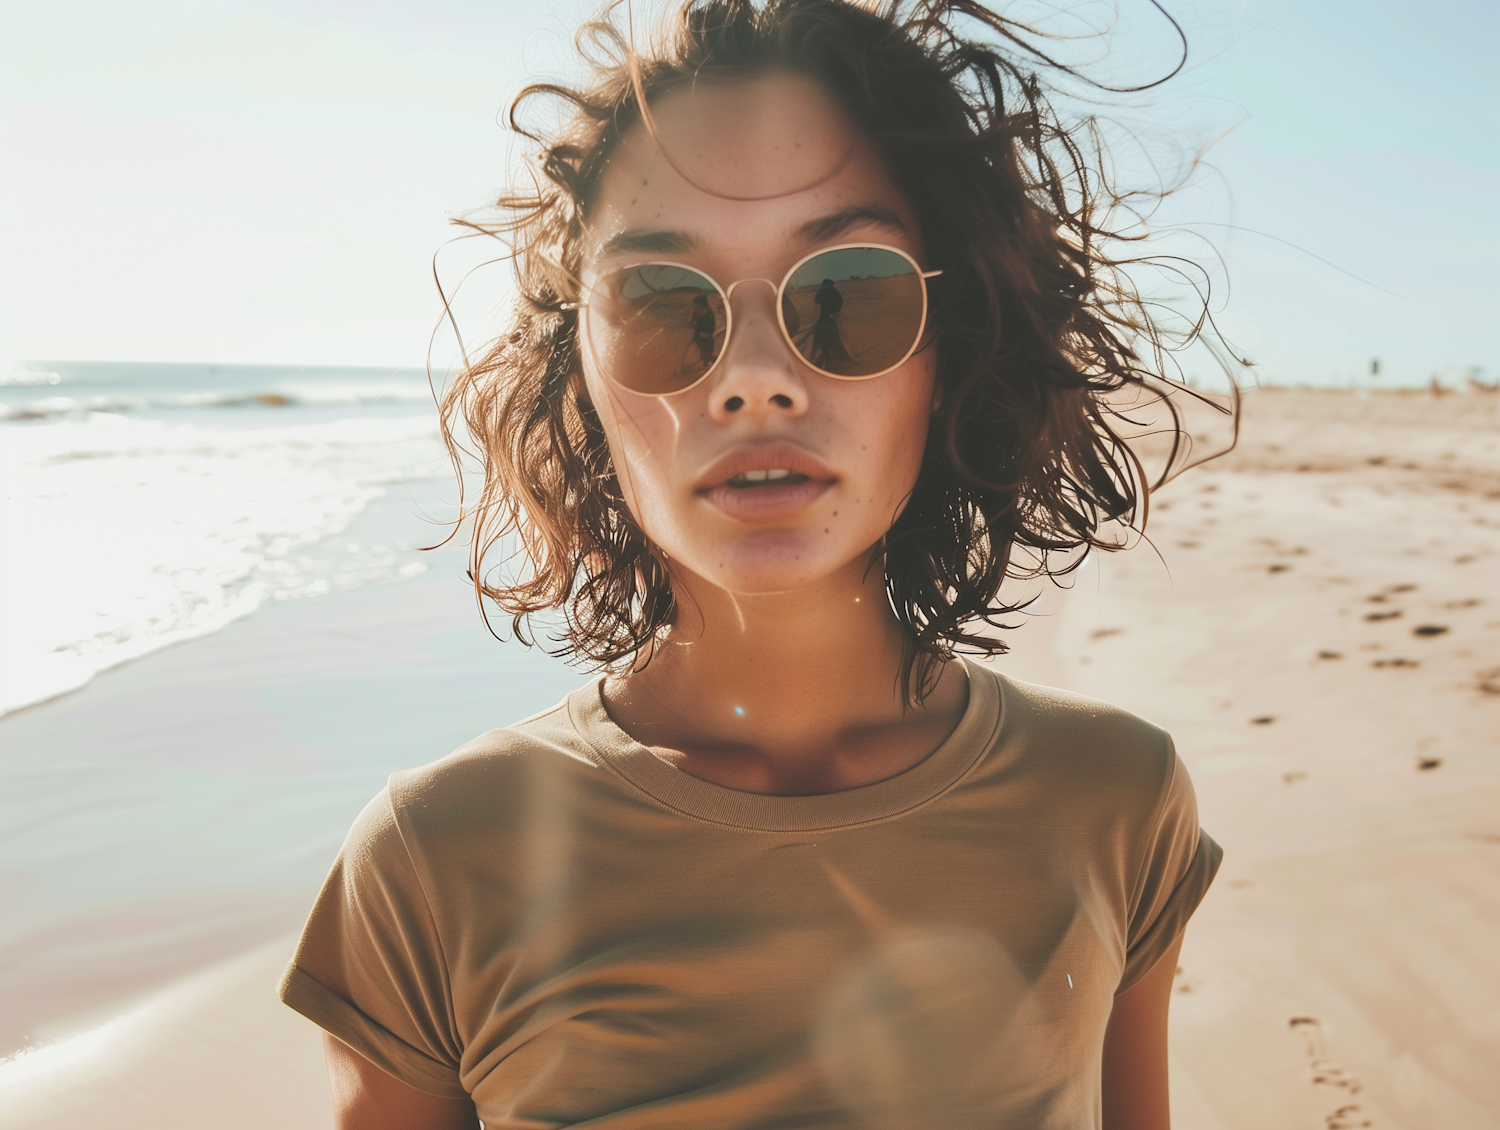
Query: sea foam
x=121 y=535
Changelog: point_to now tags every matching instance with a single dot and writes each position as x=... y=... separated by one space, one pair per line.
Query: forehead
x=779 y=138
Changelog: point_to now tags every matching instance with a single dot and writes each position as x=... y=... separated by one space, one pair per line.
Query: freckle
x=835 y=513
x=825 y=529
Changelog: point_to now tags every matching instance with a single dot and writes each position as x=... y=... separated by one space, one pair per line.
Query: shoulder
x=1092 y=751
x=1106 y=782
x=1067 y=724
x=495 y=781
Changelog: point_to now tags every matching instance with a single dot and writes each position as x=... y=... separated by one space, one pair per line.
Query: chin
x=770 y=562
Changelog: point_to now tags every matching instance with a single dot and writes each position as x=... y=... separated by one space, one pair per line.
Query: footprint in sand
x=1391 y=615
x=1330 y=655
x=1263 y=720
x=1398 y=662
x=1429 y=630
x=1293 y=777
x=1326 y=1073
x=1425 y=763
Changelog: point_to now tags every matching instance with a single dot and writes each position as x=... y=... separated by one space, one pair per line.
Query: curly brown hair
x=1037 y=327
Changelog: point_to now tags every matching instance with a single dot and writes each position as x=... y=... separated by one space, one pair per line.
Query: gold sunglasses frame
x=726 y=293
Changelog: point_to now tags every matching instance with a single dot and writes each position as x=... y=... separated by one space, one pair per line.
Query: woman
x=793 y=862
x=703 y=325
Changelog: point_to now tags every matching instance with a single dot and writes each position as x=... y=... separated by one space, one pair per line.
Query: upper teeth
x=764 y=476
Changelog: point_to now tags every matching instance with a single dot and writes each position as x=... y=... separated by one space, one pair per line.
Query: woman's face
x=853 y=446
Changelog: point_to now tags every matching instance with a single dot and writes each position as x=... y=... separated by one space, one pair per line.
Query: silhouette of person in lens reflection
x=701 y=318
x=828 y=350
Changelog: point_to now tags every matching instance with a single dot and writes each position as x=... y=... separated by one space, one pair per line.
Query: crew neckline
x=914 y=788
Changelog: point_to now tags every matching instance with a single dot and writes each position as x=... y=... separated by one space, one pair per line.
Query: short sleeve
x=370 y=969
x=1177 y=865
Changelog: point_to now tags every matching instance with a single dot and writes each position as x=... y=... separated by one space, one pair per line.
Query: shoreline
x=186 y=805
x=195 y=524
x=386 y=518
x=215 y=1046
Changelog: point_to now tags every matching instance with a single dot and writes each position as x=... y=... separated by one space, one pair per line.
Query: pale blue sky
x=266 y=181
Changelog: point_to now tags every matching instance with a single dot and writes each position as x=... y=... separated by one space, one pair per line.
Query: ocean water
x=145 y=504
x=184 y=806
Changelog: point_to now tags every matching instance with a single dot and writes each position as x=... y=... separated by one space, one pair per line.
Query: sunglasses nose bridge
x=775 y=289
x=729 y=290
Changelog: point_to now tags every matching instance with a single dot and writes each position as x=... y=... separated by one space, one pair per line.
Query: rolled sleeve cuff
x=1173 y=919
x=299 y=990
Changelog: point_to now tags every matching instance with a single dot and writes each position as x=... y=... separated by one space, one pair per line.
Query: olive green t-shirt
x=559 y=924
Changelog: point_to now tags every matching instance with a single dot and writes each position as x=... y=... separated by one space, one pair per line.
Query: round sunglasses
x=853 y=311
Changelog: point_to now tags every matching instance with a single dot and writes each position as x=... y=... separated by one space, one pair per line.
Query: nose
x=758 y=377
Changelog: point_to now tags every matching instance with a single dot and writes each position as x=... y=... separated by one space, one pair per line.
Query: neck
x=785 y=691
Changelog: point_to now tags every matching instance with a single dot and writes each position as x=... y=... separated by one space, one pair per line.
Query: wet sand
x=1343 y=970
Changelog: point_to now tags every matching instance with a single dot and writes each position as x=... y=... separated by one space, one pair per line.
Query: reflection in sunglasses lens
x=657 y=328
x=854 y=312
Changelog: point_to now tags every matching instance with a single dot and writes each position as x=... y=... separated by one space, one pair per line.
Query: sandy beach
x=1316 y=619
x=1322 y=637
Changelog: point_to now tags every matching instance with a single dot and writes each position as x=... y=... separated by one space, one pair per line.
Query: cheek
x=894 y=437
x=643 y=437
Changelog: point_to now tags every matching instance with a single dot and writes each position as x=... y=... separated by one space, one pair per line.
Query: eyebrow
x=842 y=221
x=639 y=239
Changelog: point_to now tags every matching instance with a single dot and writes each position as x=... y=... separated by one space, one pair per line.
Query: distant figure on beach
x=701 y=317
x=797 y=857
x=828 y=346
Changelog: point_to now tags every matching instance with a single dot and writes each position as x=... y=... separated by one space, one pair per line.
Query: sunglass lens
x=656 y=328
x=854 y=312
